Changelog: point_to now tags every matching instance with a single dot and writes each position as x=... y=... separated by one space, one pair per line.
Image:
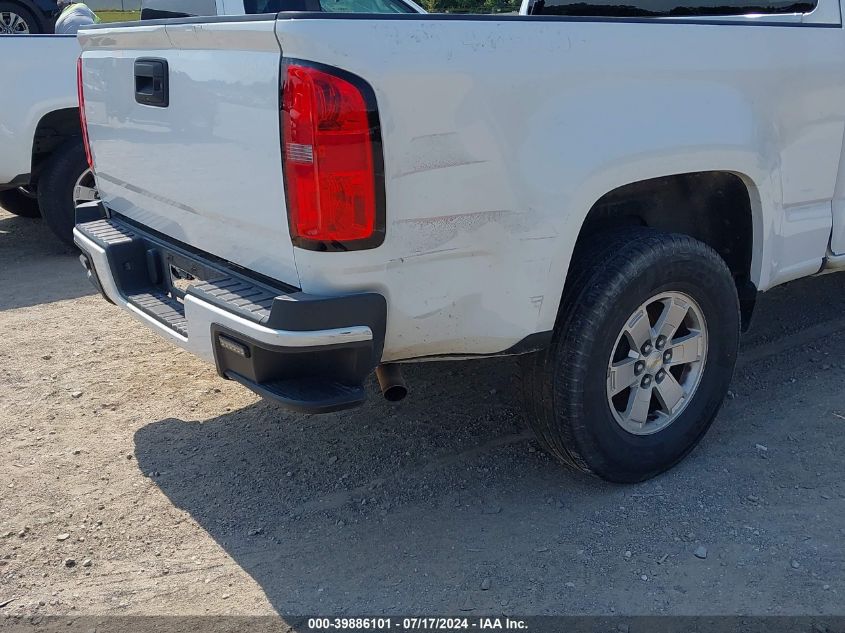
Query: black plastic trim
x=531 y=343
x=133 y=266
x=324 y=313
x=444 y=17
x=161 y=15
x=747 y=292
x=91 y=274
x=89 y=212
x=315 y=312
x=308 y=379
x=366 y=90
x=188 y=250
x=152 y=72
x=341 y=399
x=307 y=15
x=199 y=19
x=21 y=180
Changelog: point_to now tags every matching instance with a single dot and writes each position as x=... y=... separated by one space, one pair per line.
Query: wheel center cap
x=654 y=362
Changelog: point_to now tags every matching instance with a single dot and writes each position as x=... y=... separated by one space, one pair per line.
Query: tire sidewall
x=619 y=454
x=55 y=189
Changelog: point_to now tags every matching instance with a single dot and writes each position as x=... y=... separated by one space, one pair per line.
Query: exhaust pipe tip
x=395 y=393
x=391 y=382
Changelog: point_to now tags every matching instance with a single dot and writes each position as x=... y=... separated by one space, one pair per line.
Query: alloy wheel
x=657 y=363
x=12 y=24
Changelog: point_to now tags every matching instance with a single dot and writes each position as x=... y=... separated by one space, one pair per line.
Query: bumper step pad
x=243 y=298
x=162 y=308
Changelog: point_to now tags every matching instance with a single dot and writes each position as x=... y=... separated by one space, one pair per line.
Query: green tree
x=470 y=6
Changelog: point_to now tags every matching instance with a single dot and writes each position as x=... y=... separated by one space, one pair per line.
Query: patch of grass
x=118 y=16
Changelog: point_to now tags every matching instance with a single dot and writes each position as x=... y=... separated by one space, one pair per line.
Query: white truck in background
x=302 y=199
x=43 y=170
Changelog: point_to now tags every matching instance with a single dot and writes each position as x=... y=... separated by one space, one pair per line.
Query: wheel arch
x=54 y=129
x=720 y=207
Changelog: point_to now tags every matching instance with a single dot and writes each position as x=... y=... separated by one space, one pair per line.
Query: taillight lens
x=332 y=160
x=80 y=92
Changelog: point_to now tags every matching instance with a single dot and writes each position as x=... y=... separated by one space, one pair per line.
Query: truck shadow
x=445 y=504
x=375 y=509
x=35 y=267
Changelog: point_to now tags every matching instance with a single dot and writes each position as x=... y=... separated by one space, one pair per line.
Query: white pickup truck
x=302 y=199
x=42 y=160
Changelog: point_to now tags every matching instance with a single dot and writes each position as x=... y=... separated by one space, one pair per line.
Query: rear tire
x=56 y=189
x=616 y=279
x=17 y=202
x=17 y=20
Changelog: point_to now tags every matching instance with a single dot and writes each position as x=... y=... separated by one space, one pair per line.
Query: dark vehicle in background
x=164 y=9
x=22 y=17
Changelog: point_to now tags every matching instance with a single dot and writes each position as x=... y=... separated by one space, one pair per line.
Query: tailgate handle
x=151 y=82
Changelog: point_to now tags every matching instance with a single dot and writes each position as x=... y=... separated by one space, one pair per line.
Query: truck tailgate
x=189 y=167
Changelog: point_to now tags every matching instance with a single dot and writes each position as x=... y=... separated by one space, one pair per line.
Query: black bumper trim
x=306 y=396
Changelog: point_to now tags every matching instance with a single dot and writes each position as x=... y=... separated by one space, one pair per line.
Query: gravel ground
x=135 y=481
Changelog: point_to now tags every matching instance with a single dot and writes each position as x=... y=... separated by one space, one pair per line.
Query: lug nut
x=659 y=376
x=667 y=356
x=639 y=366
x=646 y=349
x=660 y=342
x=646 y=381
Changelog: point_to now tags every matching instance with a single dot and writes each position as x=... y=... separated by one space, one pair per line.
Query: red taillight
x=83 y=123
x=332 y=160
